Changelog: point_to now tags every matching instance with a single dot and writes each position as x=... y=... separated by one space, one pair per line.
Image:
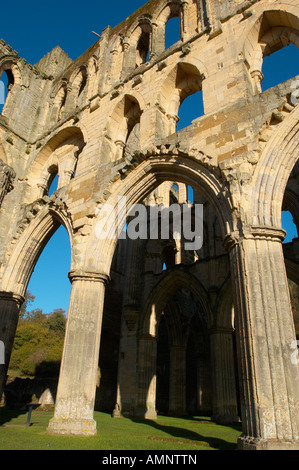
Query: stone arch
x=58 y=103
x=162 y=294
x=143 y=180
x=137 y=44
x=9 y=65
x=78 y=83
x=141 y=39
x=53 y=155
x=167 y=11
x=272 y=173
x=124 y=118
x=149 y=324
x=182 y=81
x=271 y=31
x=30 y=245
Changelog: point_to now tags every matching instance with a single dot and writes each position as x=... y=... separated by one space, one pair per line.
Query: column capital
x=254 y=233
x=11 y=296
x=86 y=276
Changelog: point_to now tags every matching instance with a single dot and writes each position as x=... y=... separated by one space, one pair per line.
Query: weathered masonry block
x=152 y=326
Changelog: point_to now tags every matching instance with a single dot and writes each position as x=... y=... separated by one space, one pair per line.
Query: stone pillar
x=177 y=389
x=147 y=385
x=204 y=388
x=265 y=335
x=127 y=366
x=78 y=375
x=129 y=59
x=258 y=77
x=225 y=407
x=10 y=305
x=158 y=39
x=184 y=20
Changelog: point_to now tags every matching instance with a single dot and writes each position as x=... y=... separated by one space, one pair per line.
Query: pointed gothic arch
x=25 y=254
x=143 y=180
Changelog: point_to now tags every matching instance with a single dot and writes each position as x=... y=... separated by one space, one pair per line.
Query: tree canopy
x=38 y=342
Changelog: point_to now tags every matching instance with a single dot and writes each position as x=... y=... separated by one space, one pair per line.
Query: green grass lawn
x=167 y=433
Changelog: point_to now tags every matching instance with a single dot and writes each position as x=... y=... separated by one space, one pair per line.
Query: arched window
x=271 y=33
x=172 y=31
x=59 y=104
x=6 y=84
x=169 y=29
x=124 y=127
x=78 y=87
x=142 y=50
x=183 y=81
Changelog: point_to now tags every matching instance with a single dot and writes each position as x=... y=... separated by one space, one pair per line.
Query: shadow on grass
x=180 y=433
x=7 y=415
x=236 y=426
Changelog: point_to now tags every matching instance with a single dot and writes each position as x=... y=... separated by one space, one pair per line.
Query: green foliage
x=38 y=342
x=29 y=299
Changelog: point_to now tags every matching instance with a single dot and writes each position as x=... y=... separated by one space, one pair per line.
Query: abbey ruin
x=152 y=326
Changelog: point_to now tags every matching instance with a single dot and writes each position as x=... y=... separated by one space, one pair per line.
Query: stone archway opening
x=32 y=244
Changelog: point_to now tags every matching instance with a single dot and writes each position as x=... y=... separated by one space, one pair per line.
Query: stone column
x=204 y=388
x=258 y=77
x=78 y=375
x=265 y=335
x=10 y=305
x=146 y=407
x=184 y=19
x=177 y=389
x=127 y=366
x=225 y=407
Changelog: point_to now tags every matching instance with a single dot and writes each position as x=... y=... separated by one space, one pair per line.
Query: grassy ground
x=167 y=433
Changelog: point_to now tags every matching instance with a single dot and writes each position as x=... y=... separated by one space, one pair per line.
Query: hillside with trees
x=38 y=342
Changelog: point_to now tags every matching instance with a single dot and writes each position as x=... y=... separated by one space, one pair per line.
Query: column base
x=150 y=414
x=72 y=427
x=251 y=443
x=226 y=419
x=145 y=414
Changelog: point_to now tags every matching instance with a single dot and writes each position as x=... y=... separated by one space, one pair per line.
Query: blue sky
x=33 y=28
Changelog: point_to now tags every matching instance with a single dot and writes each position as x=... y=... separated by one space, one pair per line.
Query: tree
x=38 y=343
x=29 y=299
x=56 y=321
